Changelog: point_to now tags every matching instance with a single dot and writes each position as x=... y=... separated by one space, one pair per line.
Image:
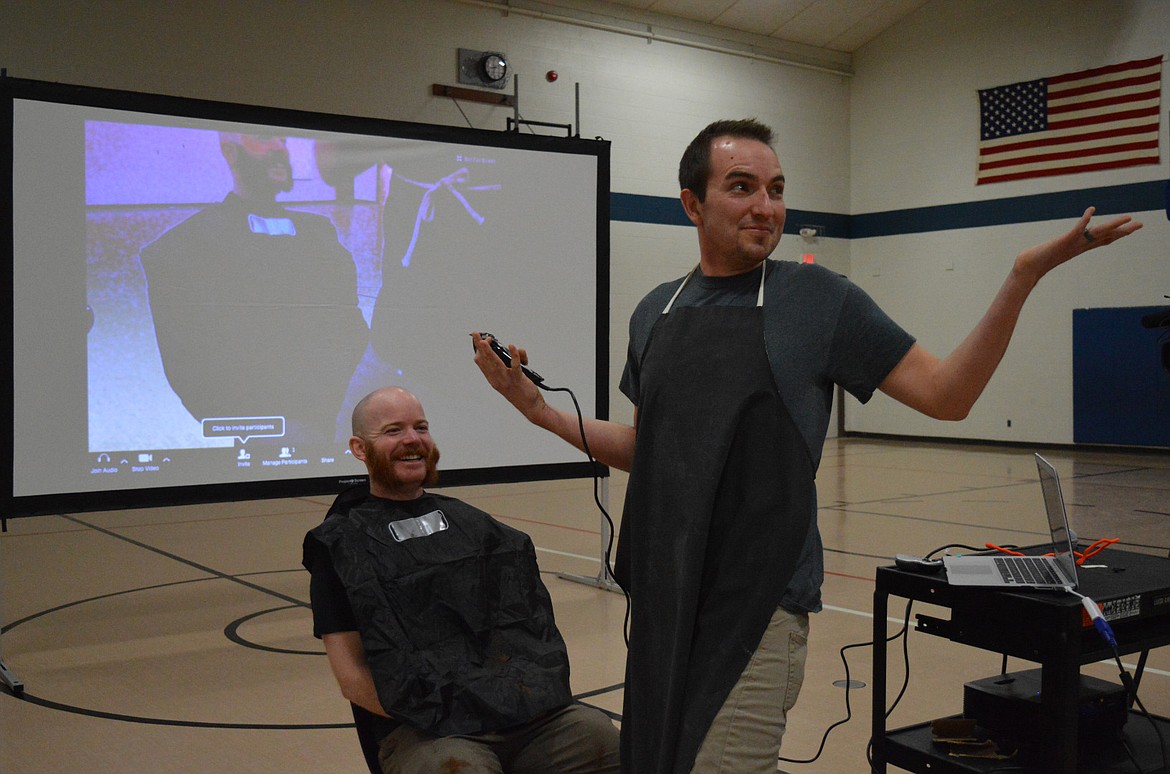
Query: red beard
x=382 y=472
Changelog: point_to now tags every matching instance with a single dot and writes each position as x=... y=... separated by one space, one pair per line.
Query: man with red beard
x=436 y=624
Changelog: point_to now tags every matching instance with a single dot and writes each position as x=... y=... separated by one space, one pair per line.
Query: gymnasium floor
x=178 y=639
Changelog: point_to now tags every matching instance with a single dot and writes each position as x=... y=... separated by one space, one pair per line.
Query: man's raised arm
x=948 y=388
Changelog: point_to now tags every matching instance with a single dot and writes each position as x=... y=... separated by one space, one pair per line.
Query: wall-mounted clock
x=484 y=68
x=494 y=67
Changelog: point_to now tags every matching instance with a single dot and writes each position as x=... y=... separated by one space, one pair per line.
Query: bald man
x=436 y=622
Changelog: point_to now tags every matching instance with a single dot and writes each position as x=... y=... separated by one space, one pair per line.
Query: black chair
x=366 y=722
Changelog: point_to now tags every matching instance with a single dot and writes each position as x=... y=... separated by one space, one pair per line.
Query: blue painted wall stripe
x=1132 y=197
x=633 y=208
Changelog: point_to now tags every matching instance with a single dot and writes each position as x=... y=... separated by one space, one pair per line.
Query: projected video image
x=244 y=285
x=178 y=312
x=232 y=260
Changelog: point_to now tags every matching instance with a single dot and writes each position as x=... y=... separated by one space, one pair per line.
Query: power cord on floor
x=848 y=684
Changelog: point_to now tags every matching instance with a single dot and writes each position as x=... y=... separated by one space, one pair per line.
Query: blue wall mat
x=1121 y=393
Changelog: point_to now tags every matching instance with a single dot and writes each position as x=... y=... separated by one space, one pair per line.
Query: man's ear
x=692 y=206
x=357 y=448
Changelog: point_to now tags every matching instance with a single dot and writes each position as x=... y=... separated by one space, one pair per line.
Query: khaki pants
x=574 y=740
x=745 y=735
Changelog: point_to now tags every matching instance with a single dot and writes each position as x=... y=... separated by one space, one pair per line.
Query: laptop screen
x=1062 y=540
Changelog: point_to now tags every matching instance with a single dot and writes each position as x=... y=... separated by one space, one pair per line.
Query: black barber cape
x=457 y=627
x=719 y=501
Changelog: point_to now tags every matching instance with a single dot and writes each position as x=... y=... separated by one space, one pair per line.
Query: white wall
x=914 y=137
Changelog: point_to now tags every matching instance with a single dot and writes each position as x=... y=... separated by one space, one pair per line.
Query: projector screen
x=201 y=292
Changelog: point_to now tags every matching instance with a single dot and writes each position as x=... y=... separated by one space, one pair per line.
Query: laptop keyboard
x=1026 y=570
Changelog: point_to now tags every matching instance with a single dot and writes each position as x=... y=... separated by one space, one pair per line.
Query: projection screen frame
x=14 y=89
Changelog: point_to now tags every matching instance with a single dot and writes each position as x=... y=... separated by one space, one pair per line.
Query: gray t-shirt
x=820 y=330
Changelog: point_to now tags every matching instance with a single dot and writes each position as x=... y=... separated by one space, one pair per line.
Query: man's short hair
x=695 y=168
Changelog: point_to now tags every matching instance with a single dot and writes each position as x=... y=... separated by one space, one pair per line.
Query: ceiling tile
x=762 y=17
x=838 y=25
x=698 y=10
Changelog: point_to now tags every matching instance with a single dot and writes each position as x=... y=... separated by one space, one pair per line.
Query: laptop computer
x=1032 y=572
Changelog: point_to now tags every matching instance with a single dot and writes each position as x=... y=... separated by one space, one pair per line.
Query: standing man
x=731 y=370
x=436 y=622
x=255 y=307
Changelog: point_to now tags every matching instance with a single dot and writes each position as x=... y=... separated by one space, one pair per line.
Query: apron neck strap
x=682 y=285
x=691 y=273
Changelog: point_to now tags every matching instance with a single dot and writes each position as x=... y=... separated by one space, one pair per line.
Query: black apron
x=720 y=497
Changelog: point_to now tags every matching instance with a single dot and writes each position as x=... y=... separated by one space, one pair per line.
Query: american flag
x=1104 y=118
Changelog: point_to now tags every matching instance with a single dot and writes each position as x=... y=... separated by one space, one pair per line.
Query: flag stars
x=1018 y=108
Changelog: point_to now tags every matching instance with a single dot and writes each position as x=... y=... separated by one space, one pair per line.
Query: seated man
x=434 y=619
